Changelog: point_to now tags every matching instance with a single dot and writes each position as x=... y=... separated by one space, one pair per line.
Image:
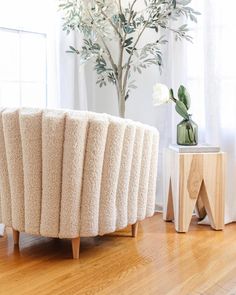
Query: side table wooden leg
x=220 y=193
x=169 y=180
x=168 y=208
x=213 y=190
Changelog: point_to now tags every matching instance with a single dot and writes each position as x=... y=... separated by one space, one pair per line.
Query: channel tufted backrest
x=71 y=173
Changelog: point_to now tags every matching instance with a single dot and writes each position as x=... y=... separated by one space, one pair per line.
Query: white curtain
x=66 y=78
x=72 y=88
x=208 y=69
x=66 y=75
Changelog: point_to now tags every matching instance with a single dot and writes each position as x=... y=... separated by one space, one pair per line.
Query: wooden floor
x=159 y=262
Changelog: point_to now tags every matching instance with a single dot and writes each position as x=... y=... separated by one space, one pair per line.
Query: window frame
x=20 y=81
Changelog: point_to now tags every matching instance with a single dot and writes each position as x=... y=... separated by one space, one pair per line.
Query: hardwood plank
x=159 y=261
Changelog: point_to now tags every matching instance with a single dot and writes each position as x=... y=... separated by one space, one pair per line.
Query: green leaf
x=185 y=2
x=128 y=29
x=72 y=49
x=184 y=96
x=127 y=95
x=181 y=109
x=128 y=42
x=128 y=50
x=122 y=18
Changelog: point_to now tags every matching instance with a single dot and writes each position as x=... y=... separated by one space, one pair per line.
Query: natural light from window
x=24 y=53
x=23 y=68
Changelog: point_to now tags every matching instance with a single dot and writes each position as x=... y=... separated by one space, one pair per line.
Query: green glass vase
x=187 y=132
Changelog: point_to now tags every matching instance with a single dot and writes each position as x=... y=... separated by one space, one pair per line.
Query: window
x=27 y=57
x=23 y=68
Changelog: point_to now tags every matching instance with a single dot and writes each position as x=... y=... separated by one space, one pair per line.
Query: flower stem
x=173 y=99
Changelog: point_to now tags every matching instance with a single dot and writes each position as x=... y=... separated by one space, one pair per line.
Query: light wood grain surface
x=194 y=179
x=159 y=262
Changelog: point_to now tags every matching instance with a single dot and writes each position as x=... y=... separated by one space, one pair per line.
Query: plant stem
x=120 y=6
x=118 y=70
x=173 y=99
x=108 y=52
x=131 y=8
x=114 y=67
x=122 y=90
x=111 y=23
x=121 y=102
x=130 y=56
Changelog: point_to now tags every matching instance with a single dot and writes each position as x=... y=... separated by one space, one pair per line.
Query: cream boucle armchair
x=72 y=174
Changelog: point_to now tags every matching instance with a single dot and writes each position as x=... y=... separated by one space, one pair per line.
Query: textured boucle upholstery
x=13 y=146
x=5 y=193
x=71 y=173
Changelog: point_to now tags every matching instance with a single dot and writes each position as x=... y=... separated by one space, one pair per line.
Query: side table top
x=200 y=148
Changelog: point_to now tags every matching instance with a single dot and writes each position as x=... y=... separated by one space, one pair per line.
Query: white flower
x=161 y=94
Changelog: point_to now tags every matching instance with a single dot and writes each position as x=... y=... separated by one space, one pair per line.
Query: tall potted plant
x=108 y=24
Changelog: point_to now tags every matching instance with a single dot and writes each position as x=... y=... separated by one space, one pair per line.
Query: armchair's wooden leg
x=16 y=236
x=134 y=229
x=75 y=247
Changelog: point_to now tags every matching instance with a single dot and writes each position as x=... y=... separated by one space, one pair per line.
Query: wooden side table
x=192 y=178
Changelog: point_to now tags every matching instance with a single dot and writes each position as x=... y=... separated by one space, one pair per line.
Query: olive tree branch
x=112 y=24
x=120 y=6
x=131 y=55
x=121 y=45
x=131 y=8
x=107 y=50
